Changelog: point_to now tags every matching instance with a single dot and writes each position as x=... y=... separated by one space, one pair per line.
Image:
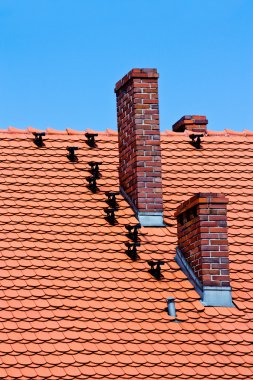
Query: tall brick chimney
x=193 y=123
x=139 y=144
x=203 y=246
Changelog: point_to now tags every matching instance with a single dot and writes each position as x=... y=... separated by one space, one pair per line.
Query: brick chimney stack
x=193 y=123
x=203 y=246
x=139 y=144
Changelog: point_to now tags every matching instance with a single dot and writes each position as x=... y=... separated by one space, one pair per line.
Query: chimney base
x=210 y=295
x=146 y=218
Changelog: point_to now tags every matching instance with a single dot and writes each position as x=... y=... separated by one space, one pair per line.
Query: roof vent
x=133 y=232
x=155 y=268
x=112 y=199
x=72 y=156
x=91 y=139
x=38 y=138
x=132 y=251
x=95 y=169
x=196 y=142
x=171 y=306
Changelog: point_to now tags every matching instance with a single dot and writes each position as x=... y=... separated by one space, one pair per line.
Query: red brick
x=218 y=242
x=203 y=236
x=219 y=254
x=221 y=278
x=139 y=138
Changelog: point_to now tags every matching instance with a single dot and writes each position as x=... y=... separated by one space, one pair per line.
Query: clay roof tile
x=74 y=305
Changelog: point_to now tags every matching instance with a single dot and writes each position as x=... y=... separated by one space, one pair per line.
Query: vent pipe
x=171 y=306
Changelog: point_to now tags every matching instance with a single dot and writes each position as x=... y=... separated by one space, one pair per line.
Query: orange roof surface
x=75 y=306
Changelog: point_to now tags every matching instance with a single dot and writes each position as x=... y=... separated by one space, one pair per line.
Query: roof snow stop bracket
x=156 y=271
x=132 y=251
x=92 y=183
x=91 y=139
x=38 y=138
x=133 y=232
x=112 y=199
x=95 y=169
x=71 y=156
x=196 y=143
x=110 y=216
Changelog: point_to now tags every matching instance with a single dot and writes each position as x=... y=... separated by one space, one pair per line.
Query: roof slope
x=75 y=306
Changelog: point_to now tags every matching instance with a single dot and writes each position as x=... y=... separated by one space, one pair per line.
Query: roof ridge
x=225 y=132
x=245 y=132
x=113 y=132
x=52 y=131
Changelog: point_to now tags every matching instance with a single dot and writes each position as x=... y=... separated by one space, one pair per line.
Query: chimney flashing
x=146 y=219
x=187 y=270
x=149 y=219
x=210 y=295
x=217 y=296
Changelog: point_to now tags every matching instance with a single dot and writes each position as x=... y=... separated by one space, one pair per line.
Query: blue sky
x=60 y=60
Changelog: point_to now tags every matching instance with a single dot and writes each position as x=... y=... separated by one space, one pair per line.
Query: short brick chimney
x=193 y=123
x=203 y=246
x=139 y=144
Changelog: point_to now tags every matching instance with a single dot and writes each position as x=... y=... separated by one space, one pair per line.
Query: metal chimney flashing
x=149 y=219
x=146 y=219
x=210 y=295
x=217 y=296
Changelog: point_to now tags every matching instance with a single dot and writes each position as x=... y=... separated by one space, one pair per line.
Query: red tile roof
x=75 y=306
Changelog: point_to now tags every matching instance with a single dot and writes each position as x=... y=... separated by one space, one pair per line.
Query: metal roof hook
x=72 y=156
x=196 y=141
x=155 y=268
x=95 y=169
x=38 y=140
x=91 y=139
